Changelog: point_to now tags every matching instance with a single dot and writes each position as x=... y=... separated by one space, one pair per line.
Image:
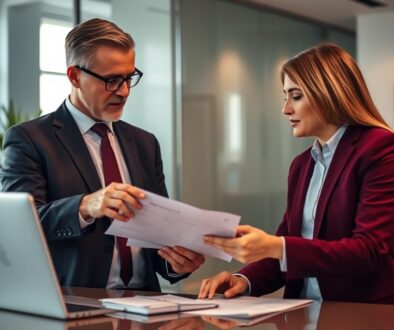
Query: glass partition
x=236 y=145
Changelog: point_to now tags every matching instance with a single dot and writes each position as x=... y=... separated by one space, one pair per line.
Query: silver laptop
x=28 y=282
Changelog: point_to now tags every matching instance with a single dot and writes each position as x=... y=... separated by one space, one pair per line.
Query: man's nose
x=123 y=90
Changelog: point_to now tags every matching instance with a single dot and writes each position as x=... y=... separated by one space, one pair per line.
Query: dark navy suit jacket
x=48 y=158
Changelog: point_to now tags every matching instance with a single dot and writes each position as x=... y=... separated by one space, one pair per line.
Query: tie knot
x=101 y=129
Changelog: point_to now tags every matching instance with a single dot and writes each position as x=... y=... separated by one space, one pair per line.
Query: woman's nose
x=287 y=109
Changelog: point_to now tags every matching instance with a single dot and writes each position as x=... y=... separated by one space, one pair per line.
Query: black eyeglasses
x=115 y=83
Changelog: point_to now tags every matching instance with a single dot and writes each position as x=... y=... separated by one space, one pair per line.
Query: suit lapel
x=300 y=195
x=126 y=141
x=69 y=135
x=341 y=157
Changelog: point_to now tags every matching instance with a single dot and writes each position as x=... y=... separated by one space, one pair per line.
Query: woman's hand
x=250 y=244
x=223 y=282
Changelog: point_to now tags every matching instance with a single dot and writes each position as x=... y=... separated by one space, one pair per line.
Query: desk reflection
x=19 y=321
x=330 y=315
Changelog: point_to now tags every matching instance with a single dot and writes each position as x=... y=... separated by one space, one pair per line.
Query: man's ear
x=73 y=75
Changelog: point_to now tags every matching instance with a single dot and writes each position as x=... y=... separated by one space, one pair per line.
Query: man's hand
x=114 y=201
x=250 y=244
x=182 y=260
x=224 y=282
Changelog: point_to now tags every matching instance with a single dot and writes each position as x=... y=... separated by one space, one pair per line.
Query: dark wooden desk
x=332 y=315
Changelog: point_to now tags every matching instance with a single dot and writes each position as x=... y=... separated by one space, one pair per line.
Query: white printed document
x=164 y=222
x=246 y=307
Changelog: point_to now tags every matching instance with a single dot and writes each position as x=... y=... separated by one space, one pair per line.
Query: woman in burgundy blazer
x=349 y=251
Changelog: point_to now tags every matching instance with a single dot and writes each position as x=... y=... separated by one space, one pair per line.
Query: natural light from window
x=54 y=86
x=53 y=90
x=234 y=128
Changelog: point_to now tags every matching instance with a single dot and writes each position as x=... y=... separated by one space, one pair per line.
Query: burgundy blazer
x=352 y=250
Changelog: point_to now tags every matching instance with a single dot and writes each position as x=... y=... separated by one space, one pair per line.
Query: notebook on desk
x=28 y=281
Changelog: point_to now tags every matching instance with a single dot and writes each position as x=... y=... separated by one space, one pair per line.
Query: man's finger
x=114 y=214
x=174 y=255
x=134 y=191
x=119 y=207
x=189 y=254
x=173 y=262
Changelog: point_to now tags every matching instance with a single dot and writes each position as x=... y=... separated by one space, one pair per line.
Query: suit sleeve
x=159 y=177
x=24 y=170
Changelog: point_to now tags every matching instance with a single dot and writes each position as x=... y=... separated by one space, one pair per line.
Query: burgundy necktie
x=112 y=174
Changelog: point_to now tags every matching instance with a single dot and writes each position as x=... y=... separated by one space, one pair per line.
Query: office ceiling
x=340 y=13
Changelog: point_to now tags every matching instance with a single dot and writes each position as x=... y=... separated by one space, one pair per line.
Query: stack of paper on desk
x=149 y=305
x=250 y=307
x=165 y=222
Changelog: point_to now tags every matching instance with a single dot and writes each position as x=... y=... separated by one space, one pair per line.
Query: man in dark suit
x=58 y=159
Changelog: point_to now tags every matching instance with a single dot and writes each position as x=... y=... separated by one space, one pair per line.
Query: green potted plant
x=11 y=116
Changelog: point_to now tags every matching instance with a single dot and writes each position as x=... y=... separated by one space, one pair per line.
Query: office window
x=54 y=85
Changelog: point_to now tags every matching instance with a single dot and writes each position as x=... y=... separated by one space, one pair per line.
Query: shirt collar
x=83 y=121
x=320 y=153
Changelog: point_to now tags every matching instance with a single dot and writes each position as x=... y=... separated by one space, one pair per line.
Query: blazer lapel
x=299 y=197
x=68 y=133
x=341 y=157
x=126 y=140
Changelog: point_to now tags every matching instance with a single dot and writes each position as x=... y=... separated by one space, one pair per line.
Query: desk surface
x=330 y=315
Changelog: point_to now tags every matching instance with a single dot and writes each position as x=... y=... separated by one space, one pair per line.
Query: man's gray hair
x=82 y=41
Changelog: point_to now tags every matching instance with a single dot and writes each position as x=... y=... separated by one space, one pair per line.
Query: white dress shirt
x=93 y=142
x=322 y=156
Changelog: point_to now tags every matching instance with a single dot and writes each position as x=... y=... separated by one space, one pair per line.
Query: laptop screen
x=28 y=279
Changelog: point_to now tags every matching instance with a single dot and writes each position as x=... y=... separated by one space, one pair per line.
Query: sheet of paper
x=165 y=222
x=250 y=307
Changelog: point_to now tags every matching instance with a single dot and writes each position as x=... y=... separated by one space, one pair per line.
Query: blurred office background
x=211 y=91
